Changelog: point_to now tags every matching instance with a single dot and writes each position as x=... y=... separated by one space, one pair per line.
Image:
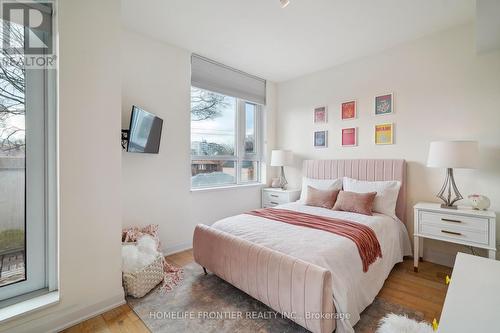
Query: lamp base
x=283 y=181
x=449 y=207
x=448 y=188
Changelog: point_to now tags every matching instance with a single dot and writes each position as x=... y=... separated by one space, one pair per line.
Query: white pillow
x=387 y=193
x=320 y=184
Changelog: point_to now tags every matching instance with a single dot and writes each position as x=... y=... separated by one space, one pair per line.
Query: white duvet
x=353 y=290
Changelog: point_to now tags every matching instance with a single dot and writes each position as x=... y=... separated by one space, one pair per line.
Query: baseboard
x=440 y=258
x=448 y=259
x=90 y=312
x=62 y=317
x=177 y=248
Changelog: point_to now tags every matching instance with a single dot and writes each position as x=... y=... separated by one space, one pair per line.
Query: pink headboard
x=371 y=170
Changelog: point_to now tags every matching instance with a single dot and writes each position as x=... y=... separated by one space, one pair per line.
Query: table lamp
x=452 y=155
x=282 y=158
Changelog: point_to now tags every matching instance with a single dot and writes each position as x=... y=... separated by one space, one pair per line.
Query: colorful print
x=384 y=104
x=349 y=137
x=384 y=134
x=348 y=110
x=320 y=115
x=320 y=139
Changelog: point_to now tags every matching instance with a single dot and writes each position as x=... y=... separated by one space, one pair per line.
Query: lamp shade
x=453 y=154
x=281 y=157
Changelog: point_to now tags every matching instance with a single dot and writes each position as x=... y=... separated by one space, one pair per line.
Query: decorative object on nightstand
x=466 y=226
x=450 y=155
x=275 y=183
x=479 y=202
x=282 y=158
x=275 y=196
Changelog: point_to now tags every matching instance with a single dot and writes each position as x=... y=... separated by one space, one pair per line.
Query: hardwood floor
x=119 y=320
x=423 y=291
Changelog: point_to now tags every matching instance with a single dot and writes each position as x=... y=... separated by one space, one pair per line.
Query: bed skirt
x=299 y=290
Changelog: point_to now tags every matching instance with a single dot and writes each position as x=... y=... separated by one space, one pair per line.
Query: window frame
x=256 y=156
x=239 y=147
x=41 y=170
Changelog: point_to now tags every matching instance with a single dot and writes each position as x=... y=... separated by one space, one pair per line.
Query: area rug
x=206 y=303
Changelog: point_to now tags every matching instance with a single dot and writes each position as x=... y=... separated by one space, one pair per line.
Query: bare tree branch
x=12 y=91
x=206 y=104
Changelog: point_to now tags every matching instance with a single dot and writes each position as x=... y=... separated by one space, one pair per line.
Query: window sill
x=25 y=307
x=228 y=187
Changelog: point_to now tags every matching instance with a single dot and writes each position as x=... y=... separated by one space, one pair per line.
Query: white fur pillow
x=319 y=184
x=393 y=323
x=387 y=193
x=136 y=257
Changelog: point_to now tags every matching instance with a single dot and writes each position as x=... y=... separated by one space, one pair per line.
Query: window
x=27 y=171
x=226 y=118
x=225 y=140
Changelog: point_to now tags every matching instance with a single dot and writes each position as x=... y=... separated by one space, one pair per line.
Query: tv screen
x=145 y=132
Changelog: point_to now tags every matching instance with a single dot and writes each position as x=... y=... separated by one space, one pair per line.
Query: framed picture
x=321 y=139
x=349 y=137
x=348 y=110
x=384 y=134
x=320 y=115
x=384 y=104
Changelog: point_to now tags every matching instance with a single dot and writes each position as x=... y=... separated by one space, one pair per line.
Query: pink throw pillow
x=321 y=198
x=361 y=203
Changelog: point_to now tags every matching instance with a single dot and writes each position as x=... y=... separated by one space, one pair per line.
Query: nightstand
x=275 y=196
x=464 y=226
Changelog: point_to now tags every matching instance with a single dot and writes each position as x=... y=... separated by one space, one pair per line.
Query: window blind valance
x=210 y=75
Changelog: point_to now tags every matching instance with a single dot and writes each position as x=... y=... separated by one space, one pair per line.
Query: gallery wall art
x=349 y=137
x=321 y=139
x=384 y=134
x=384 y=104
x=348 y=110
x=321 y=115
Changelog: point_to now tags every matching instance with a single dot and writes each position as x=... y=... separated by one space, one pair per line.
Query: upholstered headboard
x=371 y=170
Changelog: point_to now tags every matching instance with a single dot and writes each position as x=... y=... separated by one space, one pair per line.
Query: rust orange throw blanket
x=364 y=237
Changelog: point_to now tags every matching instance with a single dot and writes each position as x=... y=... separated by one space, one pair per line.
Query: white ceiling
x=258 y=37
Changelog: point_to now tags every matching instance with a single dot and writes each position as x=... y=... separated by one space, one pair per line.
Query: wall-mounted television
x=144 y=132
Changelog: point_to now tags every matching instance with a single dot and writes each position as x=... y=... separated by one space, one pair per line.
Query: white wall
x=442 y=90
x=487 y=25
x=156 y=187
x=89 y=129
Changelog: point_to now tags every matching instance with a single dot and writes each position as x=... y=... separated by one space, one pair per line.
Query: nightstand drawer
x=475 y=224
x=269 y=204
x=275 y=197
x=453 y=233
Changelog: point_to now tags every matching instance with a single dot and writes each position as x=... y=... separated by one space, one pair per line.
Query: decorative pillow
x=321 y=198
x=361 y=203
x=319 y=184
x=387 y=193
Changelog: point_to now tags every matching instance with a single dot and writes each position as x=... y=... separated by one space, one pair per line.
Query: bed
x=313 y=277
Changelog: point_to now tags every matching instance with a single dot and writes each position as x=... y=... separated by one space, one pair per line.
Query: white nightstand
x=461 y=226
x=275 y=196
